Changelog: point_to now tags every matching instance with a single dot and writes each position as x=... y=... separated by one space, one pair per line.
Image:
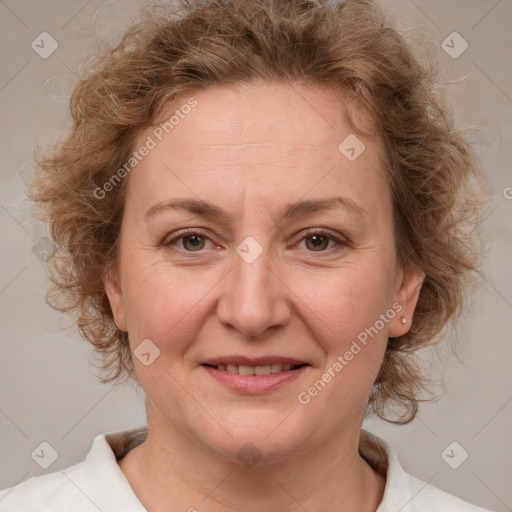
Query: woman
x=261 y=212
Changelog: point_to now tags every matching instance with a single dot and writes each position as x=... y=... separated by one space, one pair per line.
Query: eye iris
x=318 y=242
x=197 y=242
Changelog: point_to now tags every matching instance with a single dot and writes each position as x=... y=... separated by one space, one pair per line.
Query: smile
x=256 y=370
x=254 y=376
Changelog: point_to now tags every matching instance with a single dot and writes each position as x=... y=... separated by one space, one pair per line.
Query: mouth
x=268 y=369
x=254 y=375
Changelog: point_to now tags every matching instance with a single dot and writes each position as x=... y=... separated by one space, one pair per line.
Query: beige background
x=48 y=389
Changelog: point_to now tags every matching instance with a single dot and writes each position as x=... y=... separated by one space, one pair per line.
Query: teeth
x=255 y=370
x=245 y=370
x=276 y=367
x=263 y=370
x=232 y=368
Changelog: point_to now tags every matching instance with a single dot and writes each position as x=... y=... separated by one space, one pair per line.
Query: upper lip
x=252 y=361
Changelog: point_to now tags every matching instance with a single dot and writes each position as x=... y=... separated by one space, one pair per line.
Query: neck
x=172 y=471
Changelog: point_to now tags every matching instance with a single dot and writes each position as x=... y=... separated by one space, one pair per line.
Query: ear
x=115 y=296
x=408 y=286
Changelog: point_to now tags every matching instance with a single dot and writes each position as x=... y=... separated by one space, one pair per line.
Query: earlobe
x=114 y=293
x=409 y=287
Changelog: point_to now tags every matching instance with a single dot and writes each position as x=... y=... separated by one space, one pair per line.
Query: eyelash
x=341 y=243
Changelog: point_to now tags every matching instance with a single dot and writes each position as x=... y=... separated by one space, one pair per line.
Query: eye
x=192 y=241
x=319 y=240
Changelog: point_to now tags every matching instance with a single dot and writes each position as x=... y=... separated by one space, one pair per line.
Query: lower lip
x=254 y=384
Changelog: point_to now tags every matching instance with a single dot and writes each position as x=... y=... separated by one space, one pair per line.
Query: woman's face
x=279 y=250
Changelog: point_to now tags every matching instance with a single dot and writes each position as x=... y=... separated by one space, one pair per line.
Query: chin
x=254 y=437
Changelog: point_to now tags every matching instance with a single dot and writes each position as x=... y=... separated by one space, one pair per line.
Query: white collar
x=98 y=482
x=102 y=467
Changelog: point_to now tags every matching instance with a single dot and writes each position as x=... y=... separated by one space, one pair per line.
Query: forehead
x=261 y=112
x=267 y=137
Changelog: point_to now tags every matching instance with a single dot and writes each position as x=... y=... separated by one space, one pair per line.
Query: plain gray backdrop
x=49 y=392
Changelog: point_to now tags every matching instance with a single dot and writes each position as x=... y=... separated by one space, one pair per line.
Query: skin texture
x=251 y=150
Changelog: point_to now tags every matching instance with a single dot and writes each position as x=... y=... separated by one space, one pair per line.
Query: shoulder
x=426 y=497
x=404 y=491
x=97 y=483
x=57 y=491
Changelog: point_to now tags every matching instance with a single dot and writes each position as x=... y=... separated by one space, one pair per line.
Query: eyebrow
x=298 y=209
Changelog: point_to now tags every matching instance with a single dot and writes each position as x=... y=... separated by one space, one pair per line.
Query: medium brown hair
x=177 y=49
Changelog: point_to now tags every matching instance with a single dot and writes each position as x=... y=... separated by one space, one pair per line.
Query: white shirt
x=98 y=484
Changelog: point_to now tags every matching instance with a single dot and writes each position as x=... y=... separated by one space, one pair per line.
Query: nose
x=254 y=297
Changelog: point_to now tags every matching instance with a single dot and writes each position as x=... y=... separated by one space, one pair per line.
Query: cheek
x=163 y=303
x=352 y=335
x=347 y=300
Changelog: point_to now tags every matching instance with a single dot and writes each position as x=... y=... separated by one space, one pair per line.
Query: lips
x=243 y=365
x=244 y=369
x=243 y=379
x=252 y=361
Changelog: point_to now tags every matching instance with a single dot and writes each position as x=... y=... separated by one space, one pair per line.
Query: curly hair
x=171 y=51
